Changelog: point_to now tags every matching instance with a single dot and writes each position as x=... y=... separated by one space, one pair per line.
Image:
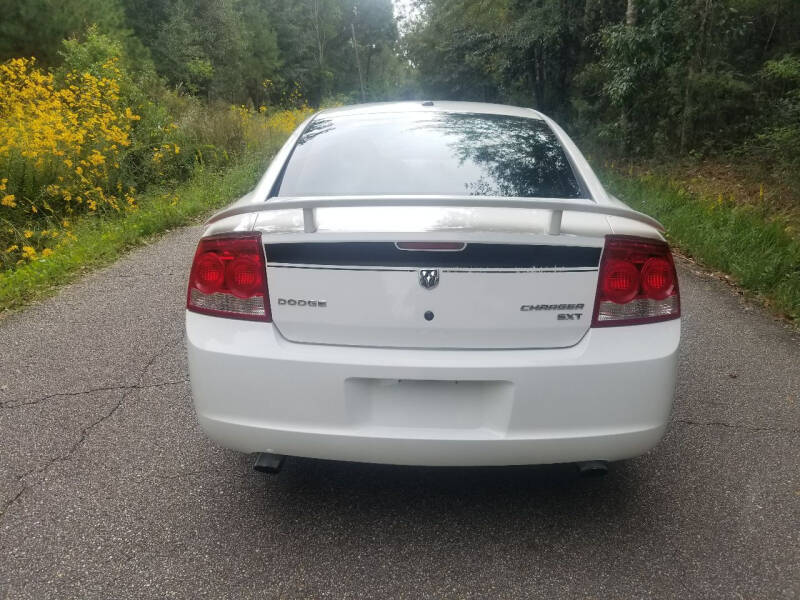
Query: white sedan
x=433 y=283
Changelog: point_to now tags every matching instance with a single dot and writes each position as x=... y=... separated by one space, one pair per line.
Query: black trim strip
x=474 y=256
x=274 y=265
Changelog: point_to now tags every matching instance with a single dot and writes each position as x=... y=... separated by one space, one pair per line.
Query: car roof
x=431 y=106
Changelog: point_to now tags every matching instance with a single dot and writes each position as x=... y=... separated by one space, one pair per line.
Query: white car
x=433 y=283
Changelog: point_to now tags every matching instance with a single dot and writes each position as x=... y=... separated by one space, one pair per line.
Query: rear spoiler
x=556 y=207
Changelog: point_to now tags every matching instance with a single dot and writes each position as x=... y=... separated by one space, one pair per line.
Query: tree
x=221 y=49
x=315 y=40
x=37 y=27
x=261 y=61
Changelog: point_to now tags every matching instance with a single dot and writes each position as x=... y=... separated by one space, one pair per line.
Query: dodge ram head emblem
x=429 y=278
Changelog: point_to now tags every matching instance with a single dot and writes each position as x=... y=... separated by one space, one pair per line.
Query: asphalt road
x=108 y=488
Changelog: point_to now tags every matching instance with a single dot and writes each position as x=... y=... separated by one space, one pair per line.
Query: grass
x=761 y=254
x=100 y=240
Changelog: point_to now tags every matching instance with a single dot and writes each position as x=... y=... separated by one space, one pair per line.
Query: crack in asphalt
x=86 y=430
x=110 y=388
x=736 y=426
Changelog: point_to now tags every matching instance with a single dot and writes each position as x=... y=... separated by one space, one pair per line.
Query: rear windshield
x=429 y=153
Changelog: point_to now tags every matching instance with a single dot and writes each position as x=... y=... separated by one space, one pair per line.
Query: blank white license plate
x=430 y=404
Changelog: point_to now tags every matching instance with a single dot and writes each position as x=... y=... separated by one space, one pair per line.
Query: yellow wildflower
x=8 y=200
x=28 y=252
x=47 y=252
x=28 y=234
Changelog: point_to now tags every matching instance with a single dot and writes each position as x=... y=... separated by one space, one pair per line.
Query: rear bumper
x=607 y=398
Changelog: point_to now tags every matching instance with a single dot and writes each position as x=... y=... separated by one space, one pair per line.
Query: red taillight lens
x=210 y=273
x=658 y=279
x=244 y=277
x=229 y=278
x=621 y=281
x=637 y=283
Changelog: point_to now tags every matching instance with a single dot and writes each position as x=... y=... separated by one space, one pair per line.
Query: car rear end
x=433 y=334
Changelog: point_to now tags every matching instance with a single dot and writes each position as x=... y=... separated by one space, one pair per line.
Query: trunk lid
x=537 y=294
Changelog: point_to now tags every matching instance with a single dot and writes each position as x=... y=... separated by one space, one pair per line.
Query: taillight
x=229 y=278
x=637 y=283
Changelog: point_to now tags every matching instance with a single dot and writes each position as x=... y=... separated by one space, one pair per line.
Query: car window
x=434 y=153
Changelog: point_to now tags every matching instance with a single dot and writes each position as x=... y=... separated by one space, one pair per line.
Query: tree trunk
x=369 y=63
x=687 y=110
x=358 y=62
x=624 y=121
x=538 y=83
x=588 y=14
x=769 y=37
x=695 y=66
x=630 y=13
x=319 y=34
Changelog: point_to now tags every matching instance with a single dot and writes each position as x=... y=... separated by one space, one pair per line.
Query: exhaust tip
x=593 y=468
x=266 y=462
